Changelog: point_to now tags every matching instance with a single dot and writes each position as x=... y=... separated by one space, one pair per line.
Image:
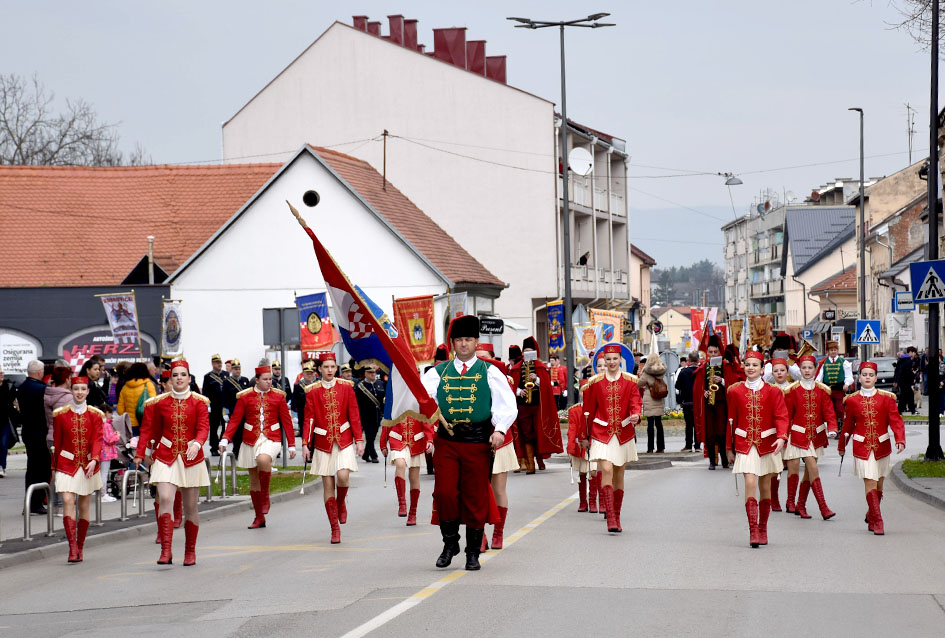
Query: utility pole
x=384 y=174
x=934 y=451
x=861 y=240
x=910 y=128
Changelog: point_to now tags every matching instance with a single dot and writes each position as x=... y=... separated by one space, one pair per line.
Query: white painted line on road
x=398 y=609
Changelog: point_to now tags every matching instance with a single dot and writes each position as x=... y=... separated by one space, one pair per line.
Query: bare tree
x=32 y=133
x=916 y=20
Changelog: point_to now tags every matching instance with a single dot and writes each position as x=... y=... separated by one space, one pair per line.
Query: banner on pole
x=122 y=316
x=611 y=323
x=414 y=318
x=736 y=328
x=587 y=339
x=555 y=311
x=761 y=329
x=315 y=329
x=171 y=332
x=457 y=303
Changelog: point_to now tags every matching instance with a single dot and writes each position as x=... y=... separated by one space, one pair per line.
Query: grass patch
x=917 y=417
x=920 y=468
x=281 y=482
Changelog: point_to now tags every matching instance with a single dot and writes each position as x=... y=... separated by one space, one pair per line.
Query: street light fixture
x=590 y=22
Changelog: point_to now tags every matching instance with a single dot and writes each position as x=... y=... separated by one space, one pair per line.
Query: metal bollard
x=124 y=493
x=98 y=507
x=223 y=458
x=209 y=495
x=285 y=452
x=50 y=516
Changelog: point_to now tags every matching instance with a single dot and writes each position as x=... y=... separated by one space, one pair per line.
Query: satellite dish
x=790 y=197
x=580 y=161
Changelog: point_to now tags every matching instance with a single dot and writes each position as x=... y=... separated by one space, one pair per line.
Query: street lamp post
x=590 y=22
x=861 y=240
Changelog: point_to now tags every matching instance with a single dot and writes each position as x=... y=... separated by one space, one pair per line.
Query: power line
x=669 y=201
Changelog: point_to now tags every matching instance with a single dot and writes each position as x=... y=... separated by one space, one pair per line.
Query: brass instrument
x=712 y=370
x=528 y=369
x=806 y=348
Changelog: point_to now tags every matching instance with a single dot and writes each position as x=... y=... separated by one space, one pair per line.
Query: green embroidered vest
x=833 y=372
x=464 y=398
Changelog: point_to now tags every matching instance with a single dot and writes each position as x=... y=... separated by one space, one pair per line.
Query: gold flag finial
x=296 y=213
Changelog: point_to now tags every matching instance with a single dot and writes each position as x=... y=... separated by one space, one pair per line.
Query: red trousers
x=461 y=487
x=528 y=423
x=837 y=397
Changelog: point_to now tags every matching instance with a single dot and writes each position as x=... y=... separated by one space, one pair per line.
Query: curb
x=914 y=490
x=147 y=529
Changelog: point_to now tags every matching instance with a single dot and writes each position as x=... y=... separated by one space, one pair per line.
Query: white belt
x=66 y=453
x=247 y=426
x=321 y=431
x=884 y=437
x=769 y=432
x=165 y=441
x=599 y=422
x=740 y=432
x=344 y=427
x=626 y=421
x=274 y=426
x=418 y=436
x=396 y=435
x=798 y=428
x=859 y=437
x=821 y=427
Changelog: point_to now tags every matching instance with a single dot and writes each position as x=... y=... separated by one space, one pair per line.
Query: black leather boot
x=473 y=547
x=450 y=532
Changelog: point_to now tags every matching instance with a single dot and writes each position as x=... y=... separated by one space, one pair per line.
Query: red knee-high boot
x=412 y=514
x=68 y=523
x=800 y=508
x=401 y=485
x=751 y=509
x=166 y=523
x=792 y=481
x=499 y=528
x=157 y=519
x=259 y=519
x=82 y=528
x=331 y=507
x=582 y=493
x=342 y=491
x=775 y=498
x=264 y=479
x=818 y=489
x=190 y=543
x=593 y=488
x=764 y=508
x=178 y=509
x=876 y=515
x=607 y=495
x=618 y=505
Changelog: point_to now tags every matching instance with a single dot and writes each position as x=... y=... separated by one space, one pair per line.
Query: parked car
x=886 y=370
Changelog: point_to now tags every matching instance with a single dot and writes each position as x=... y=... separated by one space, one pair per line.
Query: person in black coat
x=904 y=379
x=298 y=393
x=9 y=419
x=30 y=397
x=233 y=384
x=684 y=383
x=213 y=383
x=370 y=393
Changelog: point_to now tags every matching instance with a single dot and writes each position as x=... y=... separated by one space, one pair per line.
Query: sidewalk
x=927 y=490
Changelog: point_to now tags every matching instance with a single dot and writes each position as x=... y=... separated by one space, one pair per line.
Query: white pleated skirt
x=753 y=463
x=614 y=452
x=80 y=484
x=248 y=454
x=179 y=474
x=505 y=460
x=412 y=460
x=792 y=452
x=324 y=464
x=579 y=464
x=872 y=468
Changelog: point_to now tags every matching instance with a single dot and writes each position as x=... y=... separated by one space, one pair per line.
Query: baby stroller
x=126 y=455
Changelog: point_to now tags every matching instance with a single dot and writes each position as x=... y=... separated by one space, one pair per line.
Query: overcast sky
x=745 y=86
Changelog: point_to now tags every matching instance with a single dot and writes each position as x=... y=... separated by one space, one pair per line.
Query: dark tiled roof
x=814 y=231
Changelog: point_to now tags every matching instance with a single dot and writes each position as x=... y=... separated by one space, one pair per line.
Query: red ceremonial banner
x=413 y=317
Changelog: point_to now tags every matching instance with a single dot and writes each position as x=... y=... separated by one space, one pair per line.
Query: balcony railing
x=768 y=288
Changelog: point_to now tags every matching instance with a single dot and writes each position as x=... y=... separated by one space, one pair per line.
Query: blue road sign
x=807 y=334
x=903 y=301
x=928 y=281
x=867 y=331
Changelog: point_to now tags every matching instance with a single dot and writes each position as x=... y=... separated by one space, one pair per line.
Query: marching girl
x=406 y=444
x=868 y=416
x=174 y=429
x=757 y=430
x=782 y=379
x=811 y=415
x=77 y=448
x=333 y=428
x=589 y=476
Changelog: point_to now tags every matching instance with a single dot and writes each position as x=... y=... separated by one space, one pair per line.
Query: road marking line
x=385 y=617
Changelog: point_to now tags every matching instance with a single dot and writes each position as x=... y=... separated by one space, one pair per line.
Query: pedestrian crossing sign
x=867 y=331
x=928 y=281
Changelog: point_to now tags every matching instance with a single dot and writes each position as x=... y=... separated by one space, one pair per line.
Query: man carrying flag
x=479 y=407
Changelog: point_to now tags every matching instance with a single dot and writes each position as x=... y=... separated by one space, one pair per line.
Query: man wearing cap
x=298 y=393
x=370 y=394
x=262 y=413
x=709 y=403
x=478 y=407
x=538 y=425
x=559 y=381
x=235 y=383
x=279 y=380
x=345 y=372
x=837 y=374
x=612 y=408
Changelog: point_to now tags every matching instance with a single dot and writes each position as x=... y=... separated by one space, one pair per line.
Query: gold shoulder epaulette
x=278 y=391
x=62 y=410
x=312 y=386
x=630 y=377
x=887 y=393
x=848 y=396
x=244 y=392
x=594 y=379
x=791 y=386
x=346 y=382
x=154 y=400
x=734 y=385
x=823 y=386
x=97 y=411
x=200 y=397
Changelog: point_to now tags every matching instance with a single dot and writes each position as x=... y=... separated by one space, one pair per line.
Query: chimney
x=396 y=29
x=449 y=45
x=360 y=23
x=374 y=28
x=495 y=68
x=422 y=48
x=410 y=34
x=476 y=56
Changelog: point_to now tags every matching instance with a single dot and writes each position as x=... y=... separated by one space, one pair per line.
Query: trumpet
x=527 y=370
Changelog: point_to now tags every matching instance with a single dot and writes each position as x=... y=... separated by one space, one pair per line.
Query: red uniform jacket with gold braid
x=811 y=415
x=170 y=424
x=77 y=439
x=576 y=430
x=608 y=406
x=409 y=433
x=331 y=416
x=261 y=413
x=868 y=419
x=755 y=418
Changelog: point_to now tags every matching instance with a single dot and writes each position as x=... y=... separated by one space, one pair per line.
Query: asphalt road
x=681 y=567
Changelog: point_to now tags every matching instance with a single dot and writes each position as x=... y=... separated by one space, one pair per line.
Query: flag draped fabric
x=761 y=330
x=315 y=329
x=414 y=315
x=555 y=326
x=457 y=304
x=122 y=316
x=586 y=341
x=736 y=326
x=369 y=334
x=611 y=323
x=171 y=332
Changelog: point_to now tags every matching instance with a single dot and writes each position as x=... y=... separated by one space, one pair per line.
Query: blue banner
x=555 y=311
x=314 y=324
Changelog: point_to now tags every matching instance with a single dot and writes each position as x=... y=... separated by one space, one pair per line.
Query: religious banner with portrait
x=555 y=326
x=413 y=317
x=761 y=330
x=171 y=333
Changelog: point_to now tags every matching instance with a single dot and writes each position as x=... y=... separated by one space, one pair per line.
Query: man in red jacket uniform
x=757 y=430
x=538 y=425
x=263 y=414
x=868 y=415
x=559 y=381
x=612 y=407
x=709 y=407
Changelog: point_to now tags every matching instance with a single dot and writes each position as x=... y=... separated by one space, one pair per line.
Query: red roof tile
x=844 y=281
x=646 y=259
x=80 y=226
x=425 y=234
